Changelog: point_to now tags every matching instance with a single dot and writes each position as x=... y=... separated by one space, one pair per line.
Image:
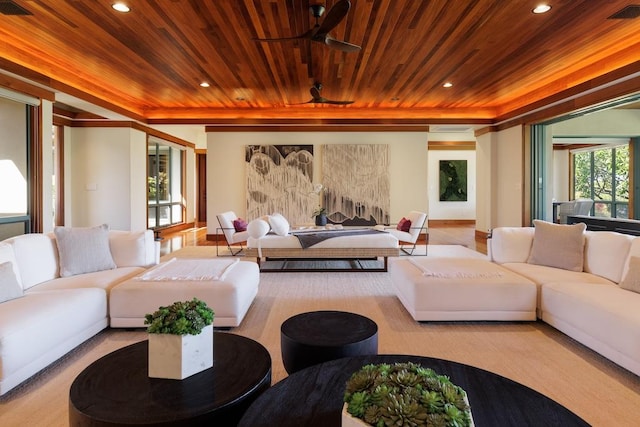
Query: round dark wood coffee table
x=319 y=336
x=313 y=397
x=116 y=389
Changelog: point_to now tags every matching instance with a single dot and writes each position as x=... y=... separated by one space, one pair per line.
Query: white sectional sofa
x=51 y=315
x=583 y=287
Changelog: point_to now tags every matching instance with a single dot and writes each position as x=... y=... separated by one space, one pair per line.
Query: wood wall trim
x=451 y=145
x=606 y=87
x=450 y=222
x=36 y=170
x=562 y=147
x=21 y=86
x=132 y=125
x=603 y=89
x=317 y=128
x=62 y=121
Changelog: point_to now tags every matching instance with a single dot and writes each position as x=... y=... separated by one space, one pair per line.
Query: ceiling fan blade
x=334 y=16
x=280 y=39
x=315 y=93
x=330 y=101
x=341 y=44
x=306 y=35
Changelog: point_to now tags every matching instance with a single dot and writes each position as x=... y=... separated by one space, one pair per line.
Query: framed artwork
x=357 y=184
x=453 y=180
x=279 y=179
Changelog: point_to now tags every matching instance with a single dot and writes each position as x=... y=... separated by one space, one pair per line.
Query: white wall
x=500 y=185
x=194 y=134
x=560 y=190
x=226 y=179
x=190 y=186
x=48 y=220
x=615 y=122
x=486 y=147
x=509 y=179
x=106 y=170
x=451 y=210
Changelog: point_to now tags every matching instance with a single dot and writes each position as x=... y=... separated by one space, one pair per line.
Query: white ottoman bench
x=227 y=286
x=446 y=289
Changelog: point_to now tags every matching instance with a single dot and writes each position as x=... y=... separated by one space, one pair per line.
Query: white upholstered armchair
x=408 y=231
x=574 y=207
x=233 y=233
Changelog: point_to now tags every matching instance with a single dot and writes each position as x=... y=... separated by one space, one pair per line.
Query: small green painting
x=453 y=180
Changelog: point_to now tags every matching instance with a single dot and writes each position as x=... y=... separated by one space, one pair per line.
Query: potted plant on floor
x=403 y=394
x=180 y=339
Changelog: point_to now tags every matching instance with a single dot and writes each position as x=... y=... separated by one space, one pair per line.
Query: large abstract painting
x=357 y=184
x=279 y=179
x=453 y=180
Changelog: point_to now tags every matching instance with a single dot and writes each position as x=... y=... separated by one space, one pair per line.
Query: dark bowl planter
x=321 y=219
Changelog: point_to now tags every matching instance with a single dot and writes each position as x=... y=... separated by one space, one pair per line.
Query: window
x=602 y=174
x=164 y=184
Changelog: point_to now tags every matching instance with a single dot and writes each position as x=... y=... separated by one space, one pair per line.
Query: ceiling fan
x=316 y=98
x=320 y=32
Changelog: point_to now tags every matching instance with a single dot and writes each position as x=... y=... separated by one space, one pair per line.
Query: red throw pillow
x=404 y=225
x=240 y=224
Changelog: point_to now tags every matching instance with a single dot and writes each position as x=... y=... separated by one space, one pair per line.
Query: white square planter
x=180 y=356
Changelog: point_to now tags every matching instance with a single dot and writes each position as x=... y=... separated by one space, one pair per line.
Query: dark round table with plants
x=116 y=390
x=313 y=397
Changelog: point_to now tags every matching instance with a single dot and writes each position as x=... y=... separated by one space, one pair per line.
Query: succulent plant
x=180 y=318
x=405 y=395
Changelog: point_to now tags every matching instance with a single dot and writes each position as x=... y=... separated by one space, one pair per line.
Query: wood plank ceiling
x=150 y=62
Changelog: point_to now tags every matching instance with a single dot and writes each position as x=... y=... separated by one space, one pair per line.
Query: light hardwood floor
x=438 y=235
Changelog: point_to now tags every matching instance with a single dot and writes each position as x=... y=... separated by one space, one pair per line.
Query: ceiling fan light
x=541 y=8
x=121 y=7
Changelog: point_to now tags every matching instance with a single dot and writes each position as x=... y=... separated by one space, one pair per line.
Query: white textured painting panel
x=356 y=178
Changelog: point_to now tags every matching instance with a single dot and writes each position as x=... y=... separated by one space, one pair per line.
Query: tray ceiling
x=500 y=57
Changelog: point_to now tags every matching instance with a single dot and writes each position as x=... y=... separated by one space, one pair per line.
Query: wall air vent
x=452 y=128
x=630 y=12
x=8 y=7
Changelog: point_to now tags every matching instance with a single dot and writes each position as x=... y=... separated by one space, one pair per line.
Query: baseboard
x=160 y=231
x=482 y=235
x=450 y=222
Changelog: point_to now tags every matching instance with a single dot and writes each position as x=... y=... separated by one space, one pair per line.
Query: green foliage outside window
x=603 y=175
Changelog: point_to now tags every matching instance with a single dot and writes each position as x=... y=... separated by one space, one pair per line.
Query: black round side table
x=314 y=337
x=116 y=389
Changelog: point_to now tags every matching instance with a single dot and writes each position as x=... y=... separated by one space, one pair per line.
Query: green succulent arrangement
x=406 y=394
x=180 y=318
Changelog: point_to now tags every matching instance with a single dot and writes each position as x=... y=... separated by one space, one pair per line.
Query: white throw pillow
x=258 y=228
x=279 y=224
x=558 y=245
x=631 y=281
x=83 y=250
x=128 y=249
x=9 y=286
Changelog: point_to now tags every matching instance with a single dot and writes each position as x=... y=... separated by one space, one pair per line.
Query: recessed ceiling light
x=240 y=98
x=121 y=7
x=205 y=84
x=541 y=8
x=447 y=84
x=395 y=98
